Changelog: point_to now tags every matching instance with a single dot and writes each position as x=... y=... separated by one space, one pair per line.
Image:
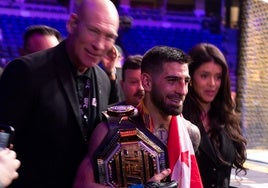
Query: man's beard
x=159 y=102
x=139 y=93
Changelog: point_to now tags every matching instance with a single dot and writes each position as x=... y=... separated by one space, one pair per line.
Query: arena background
x=252 y=87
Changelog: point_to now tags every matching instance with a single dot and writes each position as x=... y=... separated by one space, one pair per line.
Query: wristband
x=136 y=186
x=172 y=184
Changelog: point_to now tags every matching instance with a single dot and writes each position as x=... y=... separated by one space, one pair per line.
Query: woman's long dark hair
x=222 y=110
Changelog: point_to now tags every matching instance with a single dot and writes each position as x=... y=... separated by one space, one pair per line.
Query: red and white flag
x=181 y=155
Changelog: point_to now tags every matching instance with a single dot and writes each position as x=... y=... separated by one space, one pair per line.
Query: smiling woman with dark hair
x=209 y=105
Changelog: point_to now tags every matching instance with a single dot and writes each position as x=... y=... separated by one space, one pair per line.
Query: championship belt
x=130 y=154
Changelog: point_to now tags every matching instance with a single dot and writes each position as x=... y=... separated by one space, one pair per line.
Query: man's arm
x=85 y=176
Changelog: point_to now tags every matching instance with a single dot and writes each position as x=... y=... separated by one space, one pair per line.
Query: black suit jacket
x=38 y=97
x=213 y=172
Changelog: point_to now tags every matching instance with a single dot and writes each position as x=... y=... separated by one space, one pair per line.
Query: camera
x=6 y=135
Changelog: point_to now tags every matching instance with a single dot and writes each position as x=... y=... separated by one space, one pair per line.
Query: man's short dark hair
x=155 y=57
x=132 y=62
x=42 y=30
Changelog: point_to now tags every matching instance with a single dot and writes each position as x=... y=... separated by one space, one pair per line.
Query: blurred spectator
x=36 y=38
x=39 y=37
x=131 y=80
x=114 y=61
x=120 y=56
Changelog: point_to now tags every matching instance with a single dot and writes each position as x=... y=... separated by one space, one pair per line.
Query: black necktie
x=83 y=93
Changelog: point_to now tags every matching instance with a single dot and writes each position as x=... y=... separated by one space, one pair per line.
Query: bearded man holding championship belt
x=153 y=147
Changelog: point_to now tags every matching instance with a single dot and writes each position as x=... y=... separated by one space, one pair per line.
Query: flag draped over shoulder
x=182 y=161
x=181 y=156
